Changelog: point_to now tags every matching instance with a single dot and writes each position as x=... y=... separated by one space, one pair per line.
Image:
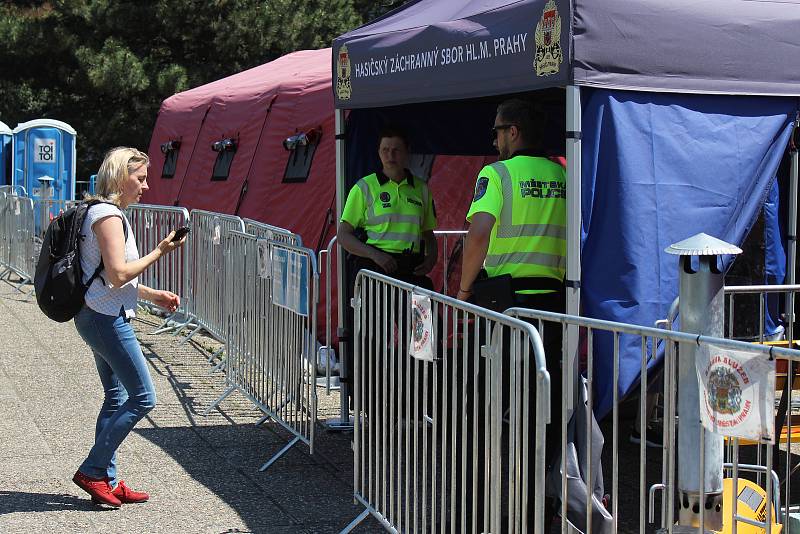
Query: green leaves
x=105 y=66
x=113 y=70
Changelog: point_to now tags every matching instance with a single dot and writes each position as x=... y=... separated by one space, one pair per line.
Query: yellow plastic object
x=752 y=505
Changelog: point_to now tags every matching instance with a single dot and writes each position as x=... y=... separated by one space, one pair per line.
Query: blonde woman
x=104 y=321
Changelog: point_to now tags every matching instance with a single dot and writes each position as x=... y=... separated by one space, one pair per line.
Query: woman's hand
x=168 y=245
x=165 y=299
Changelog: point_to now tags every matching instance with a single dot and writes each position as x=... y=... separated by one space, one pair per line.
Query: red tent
x=258 y=109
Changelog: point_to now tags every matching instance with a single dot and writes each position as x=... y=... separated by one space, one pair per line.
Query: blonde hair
x=115 y=169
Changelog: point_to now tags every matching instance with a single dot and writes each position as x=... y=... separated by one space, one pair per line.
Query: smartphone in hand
x=179 y=233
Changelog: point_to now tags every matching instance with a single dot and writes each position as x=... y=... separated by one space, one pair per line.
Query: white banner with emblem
x=422 y=347
x=737 y=393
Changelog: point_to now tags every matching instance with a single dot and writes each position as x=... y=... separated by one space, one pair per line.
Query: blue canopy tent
x=672 y=120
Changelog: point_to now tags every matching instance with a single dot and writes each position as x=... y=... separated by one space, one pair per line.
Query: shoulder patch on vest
x=480 y=188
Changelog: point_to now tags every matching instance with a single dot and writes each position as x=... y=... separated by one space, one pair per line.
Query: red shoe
x=127 y=495
x=98 y=488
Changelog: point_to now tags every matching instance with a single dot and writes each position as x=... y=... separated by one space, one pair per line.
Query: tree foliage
x=105 y=66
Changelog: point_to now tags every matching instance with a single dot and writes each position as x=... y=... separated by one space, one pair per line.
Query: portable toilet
x=44 y=162
x=5 y=154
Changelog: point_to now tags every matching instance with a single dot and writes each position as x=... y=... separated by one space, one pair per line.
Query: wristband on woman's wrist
x=464 y=290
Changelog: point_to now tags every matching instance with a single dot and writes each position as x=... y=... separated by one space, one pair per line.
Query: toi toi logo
x=46 y=152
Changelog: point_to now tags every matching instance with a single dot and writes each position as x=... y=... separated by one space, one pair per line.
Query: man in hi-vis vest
x=515 y=250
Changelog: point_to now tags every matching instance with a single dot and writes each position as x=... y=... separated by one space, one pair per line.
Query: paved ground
x=202 y=472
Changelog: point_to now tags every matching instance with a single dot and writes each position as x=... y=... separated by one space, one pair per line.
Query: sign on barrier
x=290 y=280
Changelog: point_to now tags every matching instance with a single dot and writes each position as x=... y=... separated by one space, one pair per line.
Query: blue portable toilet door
x=45 y=148
x=5 y=154
x=43 y=158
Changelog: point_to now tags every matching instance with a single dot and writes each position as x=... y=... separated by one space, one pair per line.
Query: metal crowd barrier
x=445 y=236
x=272 y=233
x=648 y=338
x=150 y=225
x=206 y=271
x=45 y=210
x=13 y=190
x=443 y=445
x=18 y=248
x=790 y=399
x=5 y=235
x=325 y=263
x=271 y=293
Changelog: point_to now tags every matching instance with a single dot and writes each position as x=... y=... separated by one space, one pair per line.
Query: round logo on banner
x=728 y=399
x=419 y=326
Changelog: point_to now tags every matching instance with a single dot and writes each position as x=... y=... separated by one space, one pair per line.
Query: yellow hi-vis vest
x=527 y=197
x=394 y=215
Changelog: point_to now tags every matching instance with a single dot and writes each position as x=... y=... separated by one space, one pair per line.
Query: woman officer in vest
x=395 y=211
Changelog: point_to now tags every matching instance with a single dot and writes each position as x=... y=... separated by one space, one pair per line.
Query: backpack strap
x=125 y=232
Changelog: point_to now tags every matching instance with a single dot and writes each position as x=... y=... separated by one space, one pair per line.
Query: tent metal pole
x=573 y=153
x=341 y=280
x=791 y=229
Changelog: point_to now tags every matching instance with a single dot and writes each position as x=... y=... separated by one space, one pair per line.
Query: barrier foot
x=280 y=453
x=179 y=327
x=338 y=425
x=218 y=367
x=357 y=521
x=216 y=354
x=191 y=335
x=4 y=273
x=22 y=282
x=221 y=398
x=168 y=324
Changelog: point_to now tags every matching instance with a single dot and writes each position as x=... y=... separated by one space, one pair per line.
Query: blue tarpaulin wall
x=774 y=256
x=658 y=168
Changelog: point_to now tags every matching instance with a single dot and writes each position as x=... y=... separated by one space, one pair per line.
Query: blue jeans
x=129 y=391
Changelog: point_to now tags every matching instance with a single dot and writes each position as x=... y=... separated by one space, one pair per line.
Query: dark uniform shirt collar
x=382 y=178
x=527 y=152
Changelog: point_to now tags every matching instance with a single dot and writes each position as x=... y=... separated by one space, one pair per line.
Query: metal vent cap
x=702 y=245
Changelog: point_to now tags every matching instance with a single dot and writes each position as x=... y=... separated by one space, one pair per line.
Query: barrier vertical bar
x=573 y=153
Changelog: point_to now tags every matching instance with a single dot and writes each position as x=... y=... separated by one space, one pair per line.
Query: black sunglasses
x=495 y=129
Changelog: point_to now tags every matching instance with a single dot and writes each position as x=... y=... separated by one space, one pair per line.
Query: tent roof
x=300 y=72
x=446 y=49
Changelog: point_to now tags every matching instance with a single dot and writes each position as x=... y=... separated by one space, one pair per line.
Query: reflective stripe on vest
x=553 y=261
x=507 y=229
x=393 y=236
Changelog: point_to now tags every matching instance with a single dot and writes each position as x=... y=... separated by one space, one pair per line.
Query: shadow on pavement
x=22 y=501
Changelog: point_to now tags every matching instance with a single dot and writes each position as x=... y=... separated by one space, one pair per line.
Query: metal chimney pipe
x=702 y=311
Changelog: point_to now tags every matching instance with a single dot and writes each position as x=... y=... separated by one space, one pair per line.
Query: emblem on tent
x=548 y=56
x=343 y=87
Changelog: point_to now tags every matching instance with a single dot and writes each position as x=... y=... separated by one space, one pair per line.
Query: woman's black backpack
x=58 y=282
